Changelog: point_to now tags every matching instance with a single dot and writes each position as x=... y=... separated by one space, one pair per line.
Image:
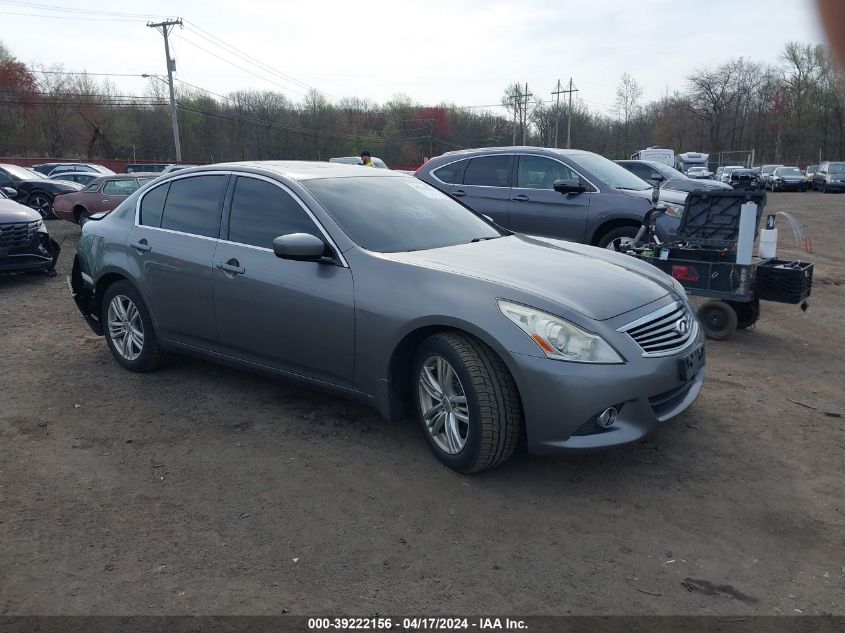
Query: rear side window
x=453 y=173
x=489 y=171
x=93 y=186
x=262 y=212
x=122 y=187
x=193 y=205
x=152 y=206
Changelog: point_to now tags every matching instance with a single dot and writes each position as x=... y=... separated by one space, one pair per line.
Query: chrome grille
x=17 y=234
x=663 y=331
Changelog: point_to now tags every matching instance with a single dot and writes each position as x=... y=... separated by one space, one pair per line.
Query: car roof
x=514 y=148
x=294 y=169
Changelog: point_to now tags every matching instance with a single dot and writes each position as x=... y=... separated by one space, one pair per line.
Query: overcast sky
x=459 y=51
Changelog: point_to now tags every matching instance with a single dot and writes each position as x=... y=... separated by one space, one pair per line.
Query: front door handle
x=460 y=193
x=520 y=198
x=232 y=266
x=104 y=201
x=141 y=246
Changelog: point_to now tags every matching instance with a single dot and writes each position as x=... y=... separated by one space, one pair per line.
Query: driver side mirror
x=568 y=185
x=10 y=192
x=656 y=177
x=302 y=247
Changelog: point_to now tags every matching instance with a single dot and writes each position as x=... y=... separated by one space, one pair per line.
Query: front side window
x=123 y=187
x=607 y=171
x=193 y=205
x=392 y=214
x=489 y=171
x=538 y=172
x=261 y=212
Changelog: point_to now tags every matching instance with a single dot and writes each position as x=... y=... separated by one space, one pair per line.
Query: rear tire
x=718 y=319
x=616 y=239
x=129 y=330
x=747 y=313
x=457 y=375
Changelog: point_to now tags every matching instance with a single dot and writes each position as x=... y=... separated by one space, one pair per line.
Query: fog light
x=607 y=418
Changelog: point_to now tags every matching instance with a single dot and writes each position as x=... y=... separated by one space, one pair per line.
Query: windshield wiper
x=481 y=239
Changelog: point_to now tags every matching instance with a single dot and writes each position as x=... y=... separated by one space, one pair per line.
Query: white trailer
x=657 y=154
x=690 y=159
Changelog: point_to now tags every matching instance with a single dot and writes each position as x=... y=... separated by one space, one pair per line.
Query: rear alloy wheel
x=43 y=203
x=129 y=329
x=618 y=239
x=718 y=319
x=466 y=402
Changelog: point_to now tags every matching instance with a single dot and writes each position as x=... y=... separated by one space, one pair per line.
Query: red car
x=101 y=194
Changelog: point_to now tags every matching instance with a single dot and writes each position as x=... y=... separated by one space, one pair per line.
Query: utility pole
x=164 y=28
x=557 y=93
x=526 y=96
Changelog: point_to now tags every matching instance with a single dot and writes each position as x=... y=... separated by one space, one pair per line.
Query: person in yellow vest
x=366 y=159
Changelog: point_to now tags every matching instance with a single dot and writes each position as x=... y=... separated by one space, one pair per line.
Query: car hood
x=11 y=211
x=598 y=283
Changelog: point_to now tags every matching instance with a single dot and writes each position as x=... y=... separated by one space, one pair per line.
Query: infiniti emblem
x=681 y=326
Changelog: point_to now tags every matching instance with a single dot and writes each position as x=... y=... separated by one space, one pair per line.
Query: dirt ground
x=199 y=489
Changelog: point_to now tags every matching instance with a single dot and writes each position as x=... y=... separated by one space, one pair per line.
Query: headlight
x=672 y=210
x=40 y=226
x=679 y=288
x=559 y=339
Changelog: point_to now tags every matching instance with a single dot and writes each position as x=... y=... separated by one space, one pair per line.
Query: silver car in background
x=381 y=288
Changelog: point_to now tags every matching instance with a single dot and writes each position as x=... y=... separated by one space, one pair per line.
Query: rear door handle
x=460 y=193
x=521 y=198
x=232 y=266
x=141 y=246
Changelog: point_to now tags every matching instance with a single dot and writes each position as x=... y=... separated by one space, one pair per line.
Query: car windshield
x=836 y=168
x=608 y=172
x=788 y=171
x=23 y=173
x=393 y=214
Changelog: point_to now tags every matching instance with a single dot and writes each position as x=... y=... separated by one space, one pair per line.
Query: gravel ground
x=199 y=489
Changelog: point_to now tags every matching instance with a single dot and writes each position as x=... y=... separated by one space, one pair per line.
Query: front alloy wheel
x=126 y=329
x=42 y=203
x=443 y=405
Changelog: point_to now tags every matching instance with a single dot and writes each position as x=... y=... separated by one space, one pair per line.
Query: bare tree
x=628 y=94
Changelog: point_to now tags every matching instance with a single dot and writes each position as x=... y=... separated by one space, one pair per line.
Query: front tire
x=466 y=402
x=129 y=330
x=617 y=239
x=43 y=203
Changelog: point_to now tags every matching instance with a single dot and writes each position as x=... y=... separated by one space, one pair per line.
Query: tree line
x=789 y=111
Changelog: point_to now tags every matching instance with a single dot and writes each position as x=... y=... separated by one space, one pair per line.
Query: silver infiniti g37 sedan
x=378 y=287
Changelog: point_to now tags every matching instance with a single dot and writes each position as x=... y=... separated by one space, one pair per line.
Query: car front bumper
x=833 y=186
x=561 y=400
x=40 y=253
x=795 y=185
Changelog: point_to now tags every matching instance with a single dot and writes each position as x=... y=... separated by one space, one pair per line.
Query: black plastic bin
x=784 y=281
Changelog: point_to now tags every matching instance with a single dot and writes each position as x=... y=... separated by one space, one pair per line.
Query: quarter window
x=489 y=171
x=453 y=173
x=152 y=205
x=537 y=172
x=262 y=212
x=193 y=205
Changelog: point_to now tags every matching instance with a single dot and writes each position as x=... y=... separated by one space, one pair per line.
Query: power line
x=58 y=9
x=68 y=17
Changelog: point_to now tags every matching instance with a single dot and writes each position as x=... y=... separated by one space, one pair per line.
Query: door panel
x=293 y=316
x=486 y=186
x=537 y=209
x=174 y=271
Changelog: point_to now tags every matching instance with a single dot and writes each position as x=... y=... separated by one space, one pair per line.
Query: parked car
x=745 y=179
x=766 y=172
x=568 y=194
x=25 y=244
x=49 y=169
x=147 y=168
x=726 y=172
x=829 y=177
x=652 y=171
x=101 y=195
x=81 y=177
x=699 y=173
x=33 y=189
x=808 y=174
x=673 y=192
x=356 y=160
x=787 y=179
x=481 y=331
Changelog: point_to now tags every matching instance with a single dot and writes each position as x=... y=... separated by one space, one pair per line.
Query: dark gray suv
x=568 y=194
